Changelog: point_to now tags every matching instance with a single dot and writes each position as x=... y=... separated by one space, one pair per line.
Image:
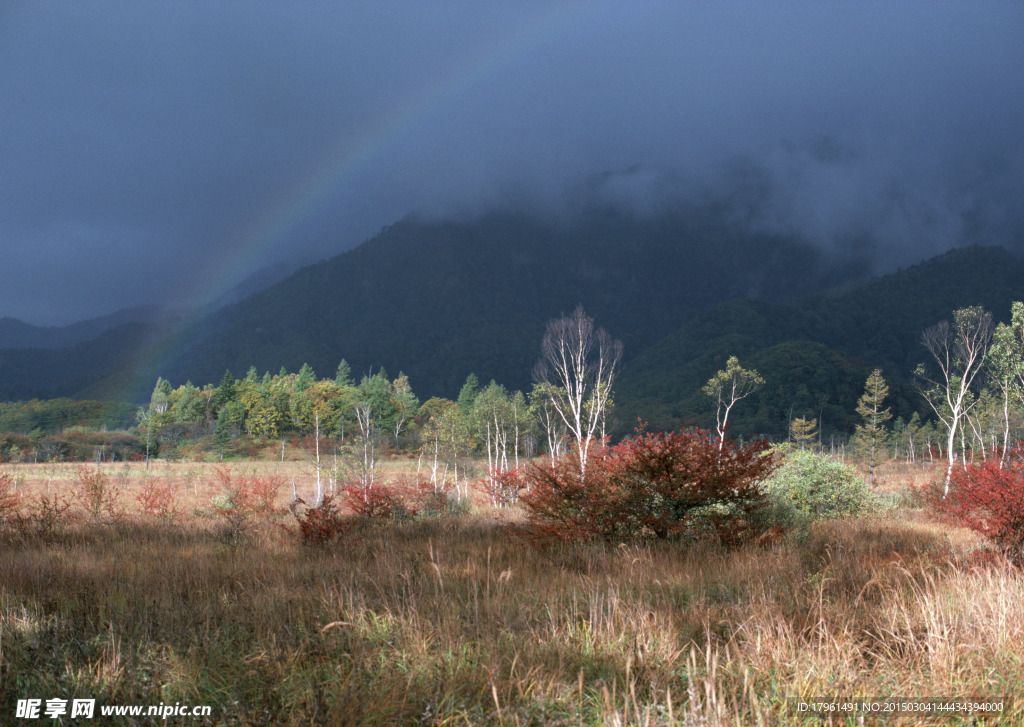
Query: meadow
x=451 y=619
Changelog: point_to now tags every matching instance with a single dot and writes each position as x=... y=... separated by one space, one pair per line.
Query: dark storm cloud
x=165 y=150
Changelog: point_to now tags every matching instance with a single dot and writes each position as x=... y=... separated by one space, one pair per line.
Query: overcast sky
x=162 y=151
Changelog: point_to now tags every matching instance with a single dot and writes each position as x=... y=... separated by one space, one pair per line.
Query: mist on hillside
x=163 y=153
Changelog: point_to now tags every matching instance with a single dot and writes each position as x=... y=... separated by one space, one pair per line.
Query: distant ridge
x=438 y=300
x=815 y=354
x=18 y=334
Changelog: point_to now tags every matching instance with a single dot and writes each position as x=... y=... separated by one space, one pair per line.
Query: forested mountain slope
x=439 y=300
x=815 y=354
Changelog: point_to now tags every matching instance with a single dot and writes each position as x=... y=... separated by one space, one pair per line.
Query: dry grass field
x=450 y=620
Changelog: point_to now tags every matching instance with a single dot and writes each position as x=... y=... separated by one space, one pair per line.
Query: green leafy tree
x=523 y=427
x=728 y=386
x=550 y=423
x=190 y=405
x=343 y=419
x=912 y=439
x=445 y=442
x=145 y=417
x=404 y=403
x=493 y=420
x=158 y=402
x=871 y=432
x=373 y=409
x=316 y=411
x=264 y=420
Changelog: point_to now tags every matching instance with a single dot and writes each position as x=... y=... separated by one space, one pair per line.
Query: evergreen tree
x=871 y=434
x=343 y=377
x=229 y=422
x=305 y=379
x=224 y=392
x=467 y=395
x=803 y=432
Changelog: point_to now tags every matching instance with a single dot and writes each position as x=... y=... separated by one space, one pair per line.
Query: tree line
x=973 y=384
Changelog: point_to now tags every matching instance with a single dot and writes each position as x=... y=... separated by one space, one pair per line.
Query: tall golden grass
x=450 y=620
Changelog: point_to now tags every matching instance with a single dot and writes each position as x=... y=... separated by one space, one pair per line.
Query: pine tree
x=467 y=395
x=344 y=375
x=871 y=434
x=803 y=432
x=224 y=393
x=305 y=379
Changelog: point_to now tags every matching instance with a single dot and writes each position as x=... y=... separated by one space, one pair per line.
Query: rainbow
x=341 y=163
x=348 y=156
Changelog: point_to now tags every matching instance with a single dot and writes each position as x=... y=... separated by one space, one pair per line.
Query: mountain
x=78 y=371
x=439 y=300
x=254 y=283
x=816 y=353
x=18 y=334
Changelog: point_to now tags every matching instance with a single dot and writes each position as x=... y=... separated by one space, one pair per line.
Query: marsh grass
x=450 y=620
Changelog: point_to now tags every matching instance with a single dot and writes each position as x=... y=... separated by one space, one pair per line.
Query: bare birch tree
x=1006 y=367
x=371 y=401
x=959 y=350
x=580 y=364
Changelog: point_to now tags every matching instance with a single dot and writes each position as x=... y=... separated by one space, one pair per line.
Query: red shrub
x=43 y=518
x=562 y=504
x=237 y=504
x=98 y=498
x=988 y=500
x=502 y=487
x=254 y=494
x=158 y=498
x=10 y=498
x=321 y=524
x=431 y=500
x=263 y=492
x=662 y=485
x=391 y=501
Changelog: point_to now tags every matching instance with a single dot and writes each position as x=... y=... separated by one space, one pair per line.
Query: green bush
x=809 y=487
